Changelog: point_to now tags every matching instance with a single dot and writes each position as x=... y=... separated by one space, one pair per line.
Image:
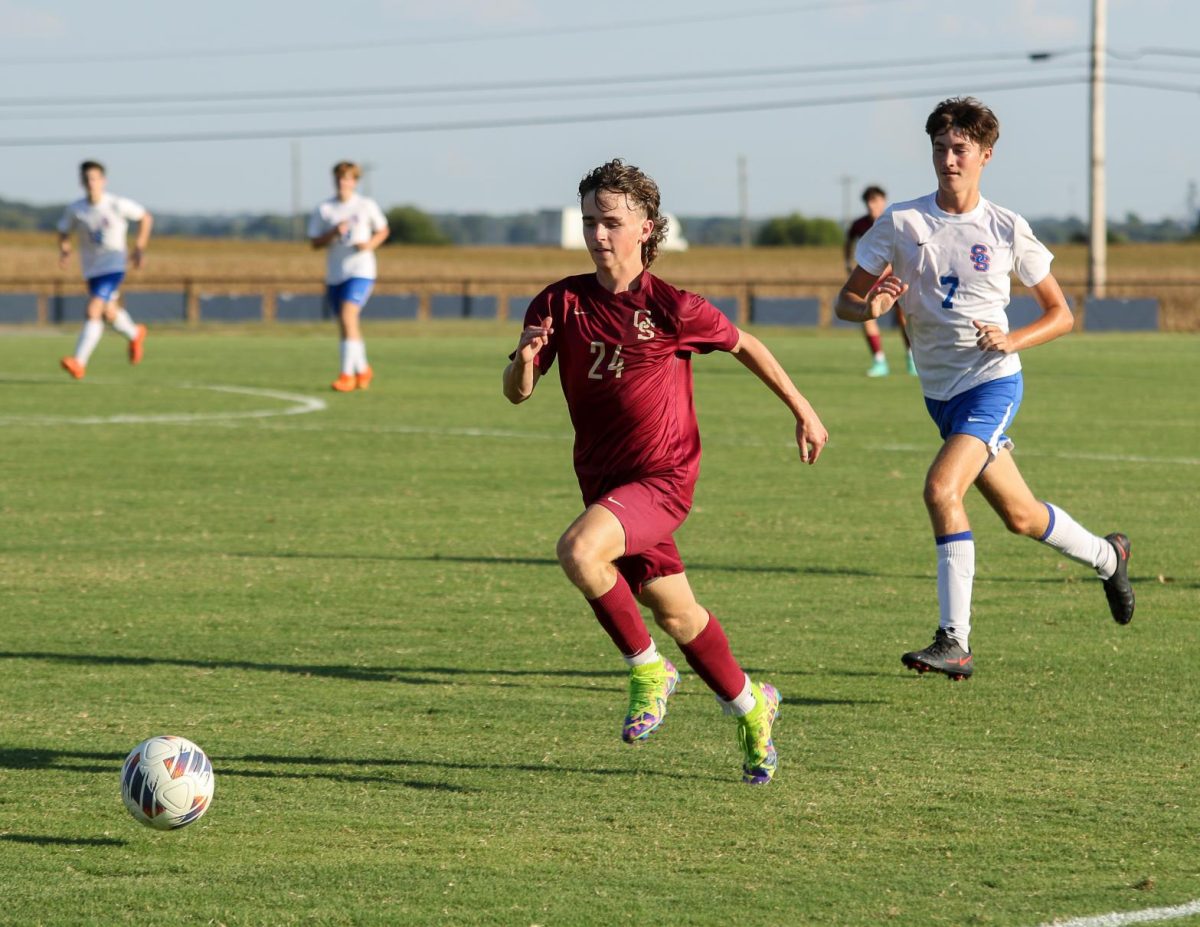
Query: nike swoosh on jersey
x=613 y=501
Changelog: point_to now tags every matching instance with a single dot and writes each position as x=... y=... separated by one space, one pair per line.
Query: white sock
x=956 y=575
x=88 y=339
x=743 y=704
x=1067 y=536
x=880 y=357
x=649 y=655
x=358 y=354
x=124 y=325
x=347 y=357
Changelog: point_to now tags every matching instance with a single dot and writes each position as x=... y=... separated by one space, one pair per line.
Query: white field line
x=1120 y=919
x=929 y=449
x=299 y=405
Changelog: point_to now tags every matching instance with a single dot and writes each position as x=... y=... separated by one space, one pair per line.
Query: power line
x=520 y=121
x=527 y=84
x=452 y=38
x=1152 y=85
x=571 y=96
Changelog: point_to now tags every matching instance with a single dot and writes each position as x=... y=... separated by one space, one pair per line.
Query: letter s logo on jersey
x=980 y=257
x=644 y=324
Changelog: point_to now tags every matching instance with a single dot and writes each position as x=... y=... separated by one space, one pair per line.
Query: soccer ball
x=167 y=782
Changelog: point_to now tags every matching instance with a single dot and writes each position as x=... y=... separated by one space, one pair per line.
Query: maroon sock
x=618 y=612
x=876 y=343
x=709 y=655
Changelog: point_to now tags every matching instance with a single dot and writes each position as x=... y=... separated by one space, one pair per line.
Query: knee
x=1027 y=521
x=575 y=552
x=941 y=494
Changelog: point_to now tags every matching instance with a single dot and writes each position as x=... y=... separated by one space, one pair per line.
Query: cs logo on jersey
x=644 y=324
x=980 y=257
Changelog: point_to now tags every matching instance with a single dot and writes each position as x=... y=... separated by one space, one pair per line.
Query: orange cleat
x=73 y=367
x=345 y=383
x=136 y=344
x=364 y=377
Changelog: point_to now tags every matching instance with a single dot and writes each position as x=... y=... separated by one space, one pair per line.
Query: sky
x=501 y=106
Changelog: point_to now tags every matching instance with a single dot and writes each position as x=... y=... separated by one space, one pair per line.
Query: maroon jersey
x=859 y=227
x=625 y=367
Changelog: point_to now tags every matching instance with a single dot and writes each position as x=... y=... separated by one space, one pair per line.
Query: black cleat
x=944 y=655
x=1117 y=587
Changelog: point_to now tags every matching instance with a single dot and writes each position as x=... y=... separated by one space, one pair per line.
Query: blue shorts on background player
x=949 y=255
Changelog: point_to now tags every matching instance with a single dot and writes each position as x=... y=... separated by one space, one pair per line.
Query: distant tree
x=411 y=226
x=797 y=229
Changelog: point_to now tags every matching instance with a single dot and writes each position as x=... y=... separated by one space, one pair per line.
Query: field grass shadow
x=47 y=841
x=96 y=762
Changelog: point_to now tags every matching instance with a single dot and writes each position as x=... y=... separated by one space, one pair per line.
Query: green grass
x=413 y=717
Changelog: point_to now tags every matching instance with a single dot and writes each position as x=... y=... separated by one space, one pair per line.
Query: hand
x=342 y=229
x=64 y=256
x=992 y=338
x=533 y=339
x=811 y=436
x=138 y=258
x=884 y=294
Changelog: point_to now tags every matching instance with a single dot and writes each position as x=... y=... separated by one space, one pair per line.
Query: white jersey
x=956 y=268
x=364 y=218
x=103 y=228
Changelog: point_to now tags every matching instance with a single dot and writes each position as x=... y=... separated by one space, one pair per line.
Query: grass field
x=413 y=717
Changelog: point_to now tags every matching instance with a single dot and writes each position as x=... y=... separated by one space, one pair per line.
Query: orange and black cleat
x=73 y=367
x=1117 y=587
x=345 y=383
x=363 y=378
x=944 y=655
x=137 y=345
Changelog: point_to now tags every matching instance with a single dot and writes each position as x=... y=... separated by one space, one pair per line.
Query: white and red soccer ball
x=167 y=782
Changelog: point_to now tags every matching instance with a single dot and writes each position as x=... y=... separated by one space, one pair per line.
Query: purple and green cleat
x=759 y=760
x=650 y=686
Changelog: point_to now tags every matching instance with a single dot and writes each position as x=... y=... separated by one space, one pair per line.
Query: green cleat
x=912 y=365
x=878 y=368
x=650 y=686
x=759 y=760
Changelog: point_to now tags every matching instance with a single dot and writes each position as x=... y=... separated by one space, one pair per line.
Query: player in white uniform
x=102 y=222
x=949 y=254
x=351 y=227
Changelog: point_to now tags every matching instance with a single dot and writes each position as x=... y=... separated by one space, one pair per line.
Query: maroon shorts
x=650 y=511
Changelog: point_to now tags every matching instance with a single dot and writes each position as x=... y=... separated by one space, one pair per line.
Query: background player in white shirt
x=102 y=223
x=950 y=254
x=351 y=227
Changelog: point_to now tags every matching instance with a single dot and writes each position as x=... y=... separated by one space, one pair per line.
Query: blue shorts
x=984 y=411
x=356 y=290
x=106 y=286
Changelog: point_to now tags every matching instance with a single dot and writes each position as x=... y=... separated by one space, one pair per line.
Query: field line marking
x=563 y=436
x=1119 y=919
x=300 y=405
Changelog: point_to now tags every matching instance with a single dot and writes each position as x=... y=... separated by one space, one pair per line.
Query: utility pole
x=296 y=207
x=846 y=180
x=1098 y=223
x=743 y=202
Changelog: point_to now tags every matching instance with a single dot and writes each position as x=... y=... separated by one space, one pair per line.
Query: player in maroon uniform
x=876 y=202
x=624 y=341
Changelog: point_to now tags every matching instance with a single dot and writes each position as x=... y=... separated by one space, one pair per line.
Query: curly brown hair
x=968 y=116
x=640 y=191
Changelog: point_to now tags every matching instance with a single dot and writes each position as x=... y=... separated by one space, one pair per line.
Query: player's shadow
x=43 y=840
x=495 y=560
x=415 y=676
x=275 y=766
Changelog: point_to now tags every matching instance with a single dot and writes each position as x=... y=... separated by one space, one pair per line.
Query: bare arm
x=145 y=225
x=320 y=241
x=522 y=373
x=756 y=357
x=1056 y=321
x=866 y=296
x=375 y=240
